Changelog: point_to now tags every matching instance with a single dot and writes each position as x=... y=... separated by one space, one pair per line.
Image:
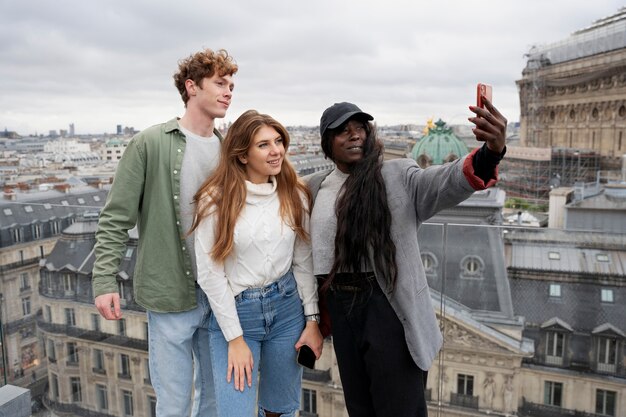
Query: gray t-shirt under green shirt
x=200 y=159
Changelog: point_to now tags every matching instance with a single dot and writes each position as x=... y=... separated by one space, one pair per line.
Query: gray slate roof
x=577 y=252
x=42 y=206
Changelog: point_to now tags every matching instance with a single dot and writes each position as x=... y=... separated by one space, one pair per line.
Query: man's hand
x=109 y=306
x=490 y=126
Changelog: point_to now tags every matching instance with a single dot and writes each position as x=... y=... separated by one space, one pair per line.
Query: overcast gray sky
x=99 y=63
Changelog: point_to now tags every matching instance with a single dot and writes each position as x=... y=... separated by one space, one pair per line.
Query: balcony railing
x=554 y=360
x=19 y=264
x=609 y=368
x=465 y=401
x=124 y=375
x=316 y=375
x=70 y=409
x=99 y=371
x=25 y=289
x=529 y=409
x=91 y=335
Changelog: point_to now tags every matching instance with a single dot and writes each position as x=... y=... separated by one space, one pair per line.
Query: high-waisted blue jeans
x=272 y=320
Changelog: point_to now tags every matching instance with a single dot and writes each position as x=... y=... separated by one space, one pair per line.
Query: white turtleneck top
x=265 y=248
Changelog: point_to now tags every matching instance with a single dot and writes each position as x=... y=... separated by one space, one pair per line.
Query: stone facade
x=578 y=103
x=30 y=225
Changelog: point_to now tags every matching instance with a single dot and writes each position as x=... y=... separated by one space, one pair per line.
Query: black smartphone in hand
x=306 y=357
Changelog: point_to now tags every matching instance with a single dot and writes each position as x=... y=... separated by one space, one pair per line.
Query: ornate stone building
x=30 y=224
x=573 y=92
x=570 y=286
x=95 y=367
x=532 y=323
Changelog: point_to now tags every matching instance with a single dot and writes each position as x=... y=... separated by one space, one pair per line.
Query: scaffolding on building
x=573 y=165
x=603 y=35
x=525 y=173
x=532 y=95
x=530 y=173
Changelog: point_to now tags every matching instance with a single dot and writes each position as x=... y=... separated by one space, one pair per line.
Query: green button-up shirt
x=146 y=192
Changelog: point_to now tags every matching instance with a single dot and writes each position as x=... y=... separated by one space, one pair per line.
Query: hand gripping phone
x=483 y=90
x=306 y=357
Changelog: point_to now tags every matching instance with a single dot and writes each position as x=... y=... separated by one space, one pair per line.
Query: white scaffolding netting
x=603 y=35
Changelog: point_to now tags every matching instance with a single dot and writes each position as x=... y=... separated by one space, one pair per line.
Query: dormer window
x=36 y=230
x=607 y=354
x=555 y=291
x=606 y=295
x=607 y=343
x=17 y=235
x=602 y=257
x=472 y=267
x=69 y=284
x=430 y=263
x=555 y=339
x=554 y=256
x=554 y=348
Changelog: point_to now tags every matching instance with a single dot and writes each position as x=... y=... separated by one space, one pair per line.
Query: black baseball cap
x=338 y=113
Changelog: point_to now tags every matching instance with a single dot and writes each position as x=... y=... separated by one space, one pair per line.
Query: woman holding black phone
x=364 y=224
x=254 y=263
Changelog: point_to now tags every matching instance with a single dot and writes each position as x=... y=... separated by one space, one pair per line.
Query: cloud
x=99 y=64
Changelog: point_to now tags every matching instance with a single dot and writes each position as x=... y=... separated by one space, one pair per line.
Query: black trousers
x=378 y=374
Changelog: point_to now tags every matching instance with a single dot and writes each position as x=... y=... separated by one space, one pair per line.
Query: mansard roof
x=562 y=251
x=72 y=254
x=579 y=304
x=29 y=208
x=74 y=251
x=483 y=287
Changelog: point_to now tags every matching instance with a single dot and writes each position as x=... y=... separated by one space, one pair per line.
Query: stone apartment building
x=95 y=367
x=30 y=224
x=514 y=341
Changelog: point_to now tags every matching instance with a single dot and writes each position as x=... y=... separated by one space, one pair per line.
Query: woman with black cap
x=364 y=224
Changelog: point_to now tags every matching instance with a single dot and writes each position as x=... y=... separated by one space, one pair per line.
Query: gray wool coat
x=414 y=195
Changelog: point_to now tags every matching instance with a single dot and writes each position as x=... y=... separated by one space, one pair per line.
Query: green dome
x=439 y=146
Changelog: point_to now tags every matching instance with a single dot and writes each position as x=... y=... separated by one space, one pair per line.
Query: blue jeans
x=179 y=358
x=272 y=320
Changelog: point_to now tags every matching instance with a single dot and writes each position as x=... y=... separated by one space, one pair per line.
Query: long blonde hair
x=224 y=191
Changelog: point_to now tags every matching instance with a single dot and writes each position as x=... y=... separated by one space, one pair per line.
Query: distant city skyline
x=101 y=64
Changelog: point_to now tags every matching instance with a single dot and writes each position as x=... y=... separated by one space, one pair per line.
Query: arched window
x=430 y=263
x=472 y=267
